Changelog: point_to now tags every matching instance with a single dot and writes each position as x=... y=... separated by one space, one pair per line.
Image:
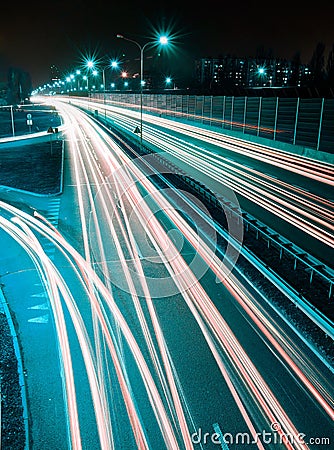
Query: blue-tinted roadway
x=166 y=353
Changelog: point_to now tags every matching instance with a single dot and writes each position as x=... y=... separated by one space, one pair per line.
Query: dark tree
x=317 y=65
x=295 y=69
x=19 y=85
x=330 y=68
x=262 y=54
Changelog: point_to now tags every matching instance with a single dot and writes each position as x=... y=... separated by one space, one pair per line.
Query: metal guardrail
x=299 y=256
x=310 y=264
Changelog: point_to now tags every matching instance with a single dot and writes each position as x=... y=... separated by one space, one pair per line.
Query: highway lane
x=292 y=194
x=168 y=356
x=136 y=178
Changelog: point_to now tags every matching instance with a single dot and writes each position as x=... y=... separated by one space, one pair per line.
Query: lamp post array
x=113 y=64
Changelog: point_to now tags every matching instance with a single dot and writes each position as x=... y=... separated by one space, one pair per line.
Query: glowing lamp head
x=163 y=40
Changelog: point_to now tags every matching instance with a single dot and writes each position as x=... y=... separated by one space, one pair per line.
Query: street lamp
x=94 y=73
x=90 y=65
x=169 y=82
x=68 y=84
x=163 y=40
x=78 y=72
x=85 y=78
x=262 y=74
x=72 y=79
x=112 y=65
x=104 y=87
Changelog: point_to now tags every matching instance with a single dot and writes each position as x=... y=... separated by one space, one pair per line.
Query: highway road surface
x=135 y=333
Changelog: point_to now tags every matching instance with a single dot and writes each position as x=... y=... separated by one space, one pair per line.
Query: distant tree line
x=18 y=87
x=321 y=68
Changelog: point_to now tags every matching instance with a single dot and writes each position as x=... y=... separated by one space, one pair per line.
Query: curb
x=4 y=307
x=18 y=140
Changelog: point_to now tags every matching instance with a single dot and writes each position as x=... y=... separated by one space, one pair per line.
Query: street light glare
x=163 y=40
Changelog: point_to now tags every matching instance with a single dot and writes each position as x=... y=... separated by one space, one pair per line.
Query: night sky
x=36 y=34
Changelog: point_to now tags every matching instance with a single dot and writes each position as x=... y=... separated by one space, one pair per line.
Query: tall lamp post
x=85 y=78
x=72 y=78
x=104 y=84
x=163 y=40
x=111 y=65
x=89 y=67
x=104 y=91
x=78 y=72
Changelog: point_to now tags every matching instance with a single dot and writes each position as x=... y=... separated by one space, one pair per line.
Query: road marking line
x=40 y=319
x=41 y=306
